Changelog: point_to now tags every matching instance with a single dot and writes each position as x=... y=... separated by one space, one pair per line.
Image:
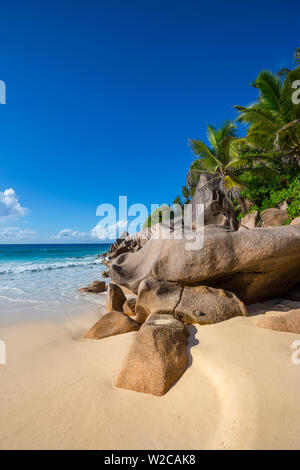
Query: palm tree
x=274 y=120
x=225 y=159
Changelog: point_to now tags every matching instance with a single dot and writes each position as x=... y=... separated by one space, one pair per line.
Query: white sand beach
x=241 y=390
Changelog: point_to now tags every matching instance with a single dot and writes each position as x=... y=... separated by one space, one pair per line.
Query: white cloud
x=109 y=233
x=7 y=233
x=99 y=232
x=9 y=205
x=68 y=234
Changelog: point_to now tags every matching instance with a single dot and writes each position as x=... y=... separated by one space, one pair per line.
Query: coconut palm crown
x=274 y=120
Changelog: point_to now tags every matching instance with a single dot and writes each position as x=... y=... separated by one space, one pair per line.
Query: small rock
x=84 y=289
x=115 y=298
x=274 y=217
x=129 y=306
x=157 y=358
x=286 y=322
x=283 y=206
x=111 y=324
x=95 y=287
x=105 y=274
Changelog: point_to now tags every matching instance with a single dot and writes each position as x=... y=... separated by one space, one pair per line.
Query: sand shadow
x=192 y=341
x=274 y=305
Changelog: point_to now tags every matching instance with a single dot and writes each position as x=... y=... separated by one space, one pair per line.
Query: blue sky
x=102 y=97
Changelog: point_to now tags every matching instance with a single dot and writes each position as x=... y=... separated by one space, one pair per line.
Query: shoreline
x=57 y=390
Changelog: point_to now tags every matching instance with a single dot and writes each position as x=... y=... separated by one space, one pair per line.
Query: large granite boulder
x=254 y=264
x=274 y=217
x=190 y=304
x=111 y=324
x=288 y=322
x=157 y=358
x=115 y=298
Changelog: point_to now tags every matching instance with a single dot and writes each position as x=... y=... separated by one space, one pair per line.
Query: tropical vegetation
x=264 y=166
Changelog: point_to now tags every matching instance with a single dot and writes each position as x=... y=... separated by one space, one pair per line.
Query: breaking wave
x=40 y=267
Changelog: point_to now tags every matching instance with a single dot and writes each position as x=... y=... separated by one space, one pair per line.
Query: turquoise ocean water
x=40 y=274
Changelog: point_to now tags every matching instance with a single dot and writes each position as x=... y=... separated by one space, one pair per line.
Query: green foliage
x=263 y=167
x=274 y=120
x=267 y=194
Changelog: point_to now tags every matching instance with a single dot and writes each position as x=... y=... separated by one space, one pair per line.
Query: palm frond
x=269 y=87
x=256 y=114
x=232 y=183
x=205 y=154
x=213 y=137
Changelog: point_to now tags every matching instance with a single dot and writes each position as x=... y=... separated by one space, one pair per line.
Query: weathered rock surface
x=295 y=221
x=207 y=305
x=157 y=358
x=207 y=192
x=288 y=322
x=111 y=324
x=250 y=220
x=125 y=290
x=274 y=217
x=156 y=297
x=195 y=304
x=126 y=244
x=95 y=287
x=129 y=306
x=254 y=264
x=115 y=298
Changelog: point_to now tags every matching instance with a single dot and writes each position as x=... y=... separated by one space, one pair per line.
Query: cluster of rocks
x=274 y=217
x=169 y=286
x=126 y=244
x=115 y=321
x=255 y=265
x=158 y=355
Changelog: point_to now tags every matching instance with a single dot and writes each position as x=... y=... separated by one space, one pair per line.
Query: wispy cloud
x=68 y=234
x=9 y=205
x=7 y=233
